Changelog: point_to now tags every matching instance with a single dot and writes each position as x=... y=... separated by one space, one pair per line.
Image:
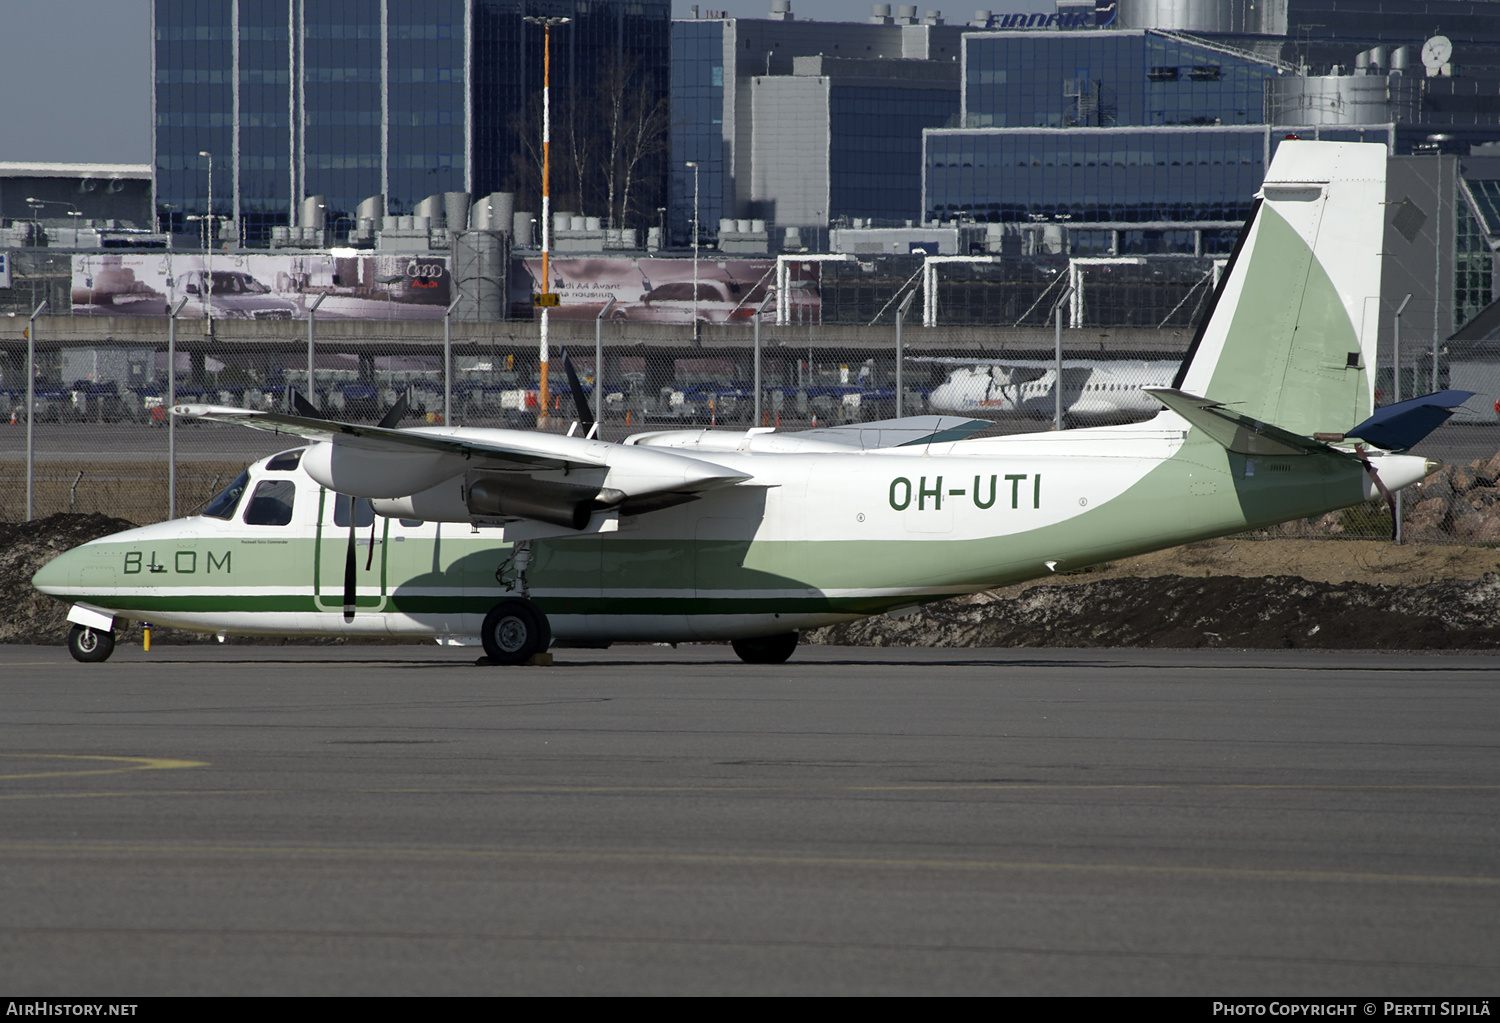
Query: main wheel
x=90 y=645
x=513 y=631
x=766 y=649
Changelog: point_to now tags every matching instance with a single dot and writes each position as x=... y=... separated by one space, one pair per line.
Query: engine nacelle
x=365 y=472
x=513 y=496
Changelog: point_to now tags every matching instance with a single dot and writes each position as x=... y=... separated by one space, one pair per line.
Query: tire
x=766 y=649
x=514 y=631
x=90 y=645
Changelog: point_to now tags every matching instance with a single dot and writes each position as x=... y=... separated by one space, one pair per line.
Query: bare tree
x=637 y=132
x=634 y=130
x=601 y=150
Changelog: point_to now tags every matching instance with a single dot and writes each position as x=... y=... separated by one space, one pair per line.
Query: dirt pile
x=29 y=616
x=1219 y=611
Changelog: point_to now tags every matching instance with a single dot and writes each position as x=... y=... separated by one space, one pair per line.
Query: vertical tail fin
x=1290 y=337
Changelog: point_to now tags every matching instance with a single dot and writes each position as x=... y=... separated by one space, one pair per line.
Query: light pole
x=599 y=364
x=36 y=208
x=448 y=362
x=900 y=350
x=1396 y=395
x=37 y=204
x=31 y=410
x=759 y=312
x=208 y=293
x=312 y=315
x=170 y=403
x=1057 y=385
x=693 y=164
x=543 y=395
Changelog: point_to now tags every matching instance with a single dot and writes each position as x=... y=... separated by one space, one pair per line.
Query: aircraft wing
x=438 y=439
x=506 y=475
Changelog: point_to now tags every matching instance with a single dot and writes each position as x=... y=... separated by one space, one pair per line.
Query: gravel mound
x=28 y=616
x=1262 y=612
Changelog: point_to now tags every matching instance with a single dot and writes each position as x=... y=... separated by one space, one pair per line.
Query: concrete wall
x=789 y=151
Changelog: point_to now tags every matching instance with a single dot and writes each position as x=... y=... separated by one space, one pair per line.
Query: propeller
x=395 y=415
x=585 y=414
x=349 y=568
x=306 y=409
x=1390 y=499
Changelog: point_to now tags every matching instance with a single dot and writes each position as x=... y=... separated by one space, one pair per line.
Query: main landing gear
x=766 y=649
x=514 y=631
x=90 y=645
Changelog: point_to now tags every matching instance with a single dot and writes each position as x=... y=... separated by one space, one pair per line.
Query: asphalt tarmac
x=646 y=820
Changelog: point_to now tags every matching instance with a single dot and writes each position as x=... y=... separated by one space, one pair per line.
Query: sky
x=76 y=74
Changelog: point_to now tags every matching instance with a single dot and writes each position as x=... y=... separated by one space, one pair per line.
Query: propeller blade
x=1390 y=499
x=585 y=415
x=395 y=415
x=349 y=569
x=370 y=558
x=305 y=408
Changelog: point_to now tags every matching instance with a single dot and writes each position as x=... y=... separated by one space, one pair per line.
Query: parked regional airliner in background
x=1108 y=390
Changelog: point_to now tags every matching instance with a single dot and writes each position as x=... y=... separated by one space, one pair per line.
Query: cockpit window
x=272 y=503
x=363 y=513
x=286 y=461
x=224 y=504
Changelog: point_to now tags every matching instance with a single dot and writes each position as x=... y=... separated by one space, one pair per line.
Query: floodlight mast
x=543 y=394
x=208 y=244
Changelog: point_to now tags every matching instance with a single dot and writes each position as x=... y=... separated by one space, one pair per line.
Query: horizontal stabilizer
x=1398 y=427
x=1235 y=432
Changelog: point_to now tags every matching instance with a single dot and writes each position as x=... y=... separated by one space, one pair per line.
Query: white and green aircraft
x=522 y=539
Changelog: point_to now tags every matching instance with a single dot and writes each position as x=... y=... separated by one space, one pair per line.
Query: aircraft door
x=330 y=556
x=425 y=573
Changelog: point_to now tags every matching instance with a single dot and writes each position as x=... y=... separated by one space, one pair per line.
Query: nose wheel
x=514 y=631
x=90 y=645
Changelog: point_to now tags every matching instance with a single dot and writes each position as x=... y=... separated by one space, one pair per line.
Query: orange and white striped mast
x=544 y=395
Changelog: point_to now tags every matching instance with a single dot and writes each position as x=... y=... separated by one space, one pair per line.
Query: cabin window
x=286 y=461
x=272 y=503
x=225 y=502
x=364 y=515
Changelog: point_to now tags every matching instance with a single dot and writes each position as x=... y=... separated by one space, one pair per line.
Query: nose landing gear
x=90 y=645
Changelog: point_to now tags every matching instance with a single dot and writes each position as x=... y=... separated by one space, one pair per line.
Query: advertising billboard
x=662 y=290
x=262 y=286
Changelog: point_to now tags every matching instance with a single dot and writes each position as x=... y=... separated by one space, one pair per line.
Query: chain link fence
x=101 y=442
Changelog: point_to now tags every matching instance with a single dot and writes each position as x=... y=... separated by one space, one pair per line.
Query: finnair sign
x=1102 y=15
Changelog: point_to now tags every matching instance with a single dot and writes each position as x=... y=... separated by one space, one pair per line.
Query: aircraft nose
x=62 y=572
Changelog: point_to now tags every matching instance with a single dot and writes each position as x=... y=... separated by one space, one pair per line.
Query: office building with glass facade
x=738 y=98
x=392 y=99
